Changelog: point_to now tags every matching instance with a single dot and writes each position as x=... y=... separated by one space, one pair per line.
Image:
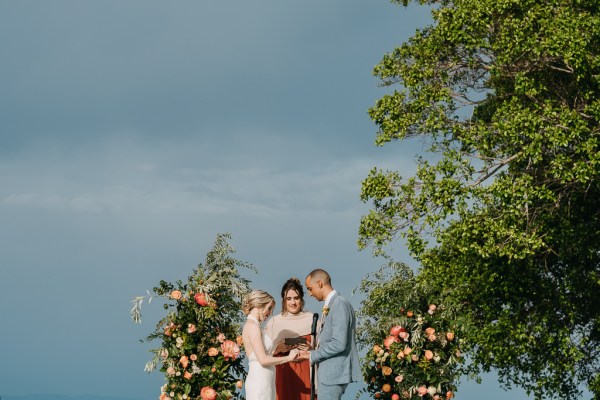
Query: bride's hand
x=293 y=355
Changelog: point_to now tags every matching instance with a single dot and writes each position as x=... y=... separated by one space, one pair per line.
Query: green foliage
x=413 y=340
x=507 y=95
x=200 y=338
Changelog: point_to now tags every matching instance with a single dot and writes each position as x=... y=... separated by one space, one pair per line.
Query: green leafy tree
x=200 y=349
x=505 y=206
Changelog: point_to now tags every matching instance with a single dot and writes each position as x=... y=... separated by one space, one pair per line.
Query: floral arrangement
x=416 y=360
x=201 y=350
x=413 y=338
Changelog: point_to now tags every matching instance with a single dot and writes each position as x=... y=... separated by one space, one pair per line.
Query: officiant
x=292 y=380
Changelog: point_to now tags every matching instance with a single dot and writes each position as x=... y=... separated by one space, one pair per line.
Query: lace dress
x=260 y=381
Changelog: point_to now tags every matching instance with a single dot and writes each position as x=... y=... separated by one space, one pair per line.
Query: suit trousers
x=331 y=392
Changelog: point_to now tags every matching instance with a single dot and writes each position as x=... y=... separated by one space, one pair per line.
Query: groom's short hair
x=321 y=275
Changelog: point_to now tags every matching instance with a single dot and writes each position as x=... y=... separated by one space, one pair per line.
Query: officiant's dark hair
x=292 y=284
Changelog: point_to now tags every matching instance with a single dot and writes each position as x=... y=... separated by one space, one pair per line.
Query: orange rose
x=386 y=388
x=389 y=340
x=208 y=393
x=193 y=357
x=213 y=352
x=184 y=361
x=449 y=395
x=422 y=390
x=200 y=298
x=191 y=328
x=239 y=384
x=239 y=340
x=230 y=349
x=176 y=294
x=409 y=314
x=187 y=375
x=376 y=349
x=428 y=354
x=429 y=331
x=386 y=370
x=395 y=397
x=450 y=336
x=407 y=350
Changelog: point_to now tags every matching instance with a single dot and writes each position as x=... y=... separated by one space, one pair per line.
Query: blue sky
x=132 y=132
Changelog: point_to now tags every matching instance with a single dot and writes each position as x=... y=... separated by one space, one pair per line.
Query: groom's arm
x=340 y=318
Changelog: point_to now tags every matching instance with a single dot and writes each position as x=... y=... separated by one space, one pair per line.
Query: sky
x=133 y=132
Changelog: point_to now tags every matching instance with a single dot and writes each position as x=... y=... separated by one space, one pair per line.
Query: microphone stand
x=313 y=332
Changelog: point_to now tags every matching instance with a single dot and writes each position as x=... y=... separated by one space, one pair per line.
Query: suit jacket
x=336 y=354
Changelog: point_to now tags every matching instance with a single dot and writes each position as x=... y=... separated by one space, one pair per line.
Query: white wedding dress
x=260 y=381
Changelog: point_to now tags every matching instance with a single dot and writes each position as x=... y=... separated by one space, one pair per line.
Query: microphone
x=313 y=329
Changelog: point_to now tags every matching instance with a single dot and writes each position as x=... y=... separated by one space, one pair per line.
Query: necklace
x=251 y=318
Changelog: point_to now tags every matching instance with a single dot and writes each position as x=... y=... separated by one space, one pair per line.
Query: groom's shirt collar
x=328 y=298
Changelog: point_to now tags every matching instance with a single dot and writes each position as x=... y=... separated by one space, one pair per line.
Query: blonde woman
x=260 y=381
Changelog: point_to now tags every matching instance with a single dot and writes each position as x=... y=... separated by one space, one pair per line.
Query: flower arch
x=201 y=350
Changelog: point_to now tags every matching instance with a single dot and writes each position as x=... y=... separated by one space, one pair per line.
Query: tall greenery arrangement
x=505 y=206
x=200 y=349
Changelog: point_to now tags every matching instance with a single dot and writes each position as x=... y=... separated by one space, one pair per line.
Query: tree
x=505 y=205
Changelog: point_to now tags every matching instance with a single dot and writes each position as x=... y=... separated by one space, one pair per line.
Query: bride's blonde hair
x=256 y=299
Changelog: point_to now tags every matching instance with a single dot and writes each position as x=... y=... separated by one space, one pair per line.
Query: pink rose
x=239 y=384
x=429 y=331
x=431 y=338
x=399 y=378
x=407 y=350
x=395 y=330
x=432 y=307
x=450 y=336
x=193 y=357
x=191 y=328
x=208 y=393
x=388 y=341
x=449 y=395
x=169 y=329
x=200 y=298
x=404 y=336
x=187 y=375
x=421 y=391
x=230 y=349
x=176 y=294
x=221 y=338
x=414 y=358
x=164 y=353
x=213 y=352
x=395 y=397
x=170 y=371
x=428 y=354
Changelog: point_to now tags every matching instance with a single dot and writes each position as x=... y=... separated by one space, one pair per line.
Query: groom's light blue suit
x=336 y=356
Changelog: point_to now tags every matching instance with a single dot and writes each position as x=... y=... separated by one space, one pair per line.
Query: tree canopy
x=504 y=207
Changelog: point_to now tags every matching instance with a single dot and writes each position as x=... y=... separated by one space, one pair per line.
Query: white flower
x=431 y=390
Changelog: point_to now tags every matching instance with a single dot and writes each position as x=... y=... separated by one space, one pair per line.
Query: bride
x=260 y=381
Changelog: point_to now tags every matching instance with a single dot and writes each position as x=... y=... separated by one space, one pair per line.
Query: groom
x=336 y=356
